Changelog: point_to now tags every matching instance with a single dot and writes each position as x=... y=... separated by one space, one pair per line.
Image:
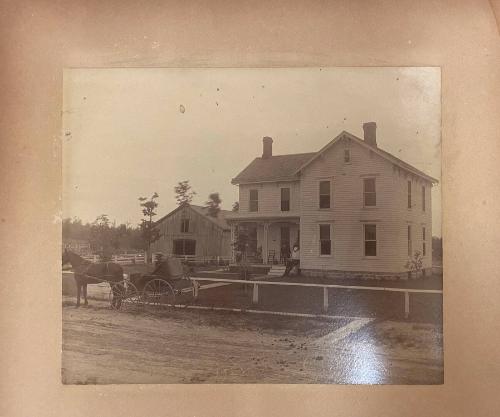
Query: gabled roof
x=274 y=168
x=288 y=167
x=378 y=151
x=220 y=220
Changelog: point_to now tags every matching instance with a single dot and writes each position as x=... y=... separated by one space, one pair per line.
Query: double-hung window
x=370 y=239
x=423 y=242
x=254 y=200
x=285 y=199
x=409 y=194
x=325 y=242
x=409 y=242
x=324 y=194
x=423 y=198
x=369 y=192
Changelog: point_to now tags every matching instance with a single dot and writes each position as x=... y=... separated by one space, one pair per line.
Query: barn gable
x=202 y=212
x=190 y=231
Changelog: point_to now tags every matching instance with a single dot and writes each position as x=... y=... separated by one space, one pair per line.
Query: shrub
x=415 y=263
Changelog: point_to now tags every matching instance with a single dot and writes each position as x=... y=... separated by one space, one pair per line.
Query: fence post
x=407 y=304
x=255 y=294
x=94 y=259
x=325 y=299
x=195 y=289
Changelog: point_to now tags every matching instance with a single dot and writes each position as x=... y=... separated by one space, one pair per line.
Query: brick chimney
x=267 y=147
x=370 y=129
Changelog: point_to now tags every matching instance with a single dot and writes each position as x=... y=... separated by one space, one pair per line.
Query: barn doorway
x=185 y=247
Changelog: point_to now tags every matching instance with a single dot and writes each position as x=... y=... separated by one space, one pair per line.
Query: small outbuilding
x=192 y=233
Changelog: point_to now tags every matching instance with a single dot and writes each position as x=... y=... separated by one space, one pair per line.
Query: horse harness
x=106 y=272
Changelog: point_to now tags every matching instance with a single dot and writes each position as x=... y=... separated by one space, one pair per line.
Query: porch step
x=277 y=271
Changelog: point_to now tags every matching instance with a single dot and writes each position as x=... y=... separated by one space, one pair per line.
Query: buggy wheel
x=158 y=294
x=124 y=296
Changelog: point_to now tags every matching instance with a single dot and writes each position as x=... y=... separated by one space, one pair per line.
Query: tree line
x=106 y=238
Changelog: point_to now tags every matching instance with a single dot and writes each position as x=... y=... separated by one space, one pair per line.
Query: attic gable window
x=254 y=200
x=184 y=225
x=324 y=194
x=347 y=156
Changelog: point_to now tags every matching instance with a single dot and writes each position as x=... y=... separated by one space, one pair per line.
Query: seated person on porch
x=293 y=262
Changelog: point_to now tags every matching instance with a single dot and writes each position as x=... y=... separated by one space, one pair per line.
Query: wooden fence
x=218 y=260
x=255 y=293
x=122 y=259
x=140 y=258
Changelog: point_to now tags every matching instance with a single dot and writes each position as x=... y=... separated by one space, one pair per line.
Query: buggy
x=169 y=284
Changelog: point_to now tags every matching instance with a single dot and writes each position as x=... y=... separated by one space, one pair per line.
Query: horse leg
x=78 y=289
x=113 y=297
x=85 y=294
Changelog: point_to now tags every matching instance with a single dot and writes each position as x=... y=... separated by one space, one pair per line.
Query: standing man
x=285 y=253
x=293 y=262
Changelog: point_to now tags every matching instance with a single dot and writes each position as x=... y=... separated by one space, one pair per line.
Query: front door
x=284 y=243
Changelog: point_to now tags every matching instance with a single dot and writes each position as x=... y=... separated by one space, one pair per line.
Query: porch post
x=233 y=239
x=265 y=243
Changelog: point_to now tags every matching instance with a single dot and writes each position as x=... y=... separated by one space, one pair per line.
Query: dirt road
x=101 y=346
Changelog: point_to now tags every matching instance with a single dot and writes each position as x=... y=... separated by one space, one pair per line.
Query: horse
x=86 y=272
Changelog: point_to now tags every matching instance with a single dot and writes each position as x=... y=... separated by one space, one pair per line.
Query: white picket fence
x=122 y=259
x=219 y=260
x=140 y=258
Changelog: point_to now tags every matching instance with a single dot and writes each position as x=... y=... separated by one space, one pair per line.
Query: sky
x=130 y=132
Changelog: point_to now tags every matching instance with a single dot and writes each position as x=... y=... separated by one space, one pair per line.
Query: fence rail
x=326 y=287
x=140 y=258
x=122 y=259
x=202 y=259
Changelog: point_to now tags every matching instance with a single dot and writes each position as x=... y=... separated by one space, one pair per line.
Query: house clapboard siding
x=270 y=197
x=346 y=163
x=347 y=214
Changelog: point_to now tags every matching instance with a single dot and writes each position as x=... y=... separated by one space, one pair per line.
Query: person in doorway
x=293 y=262
x=285 y=253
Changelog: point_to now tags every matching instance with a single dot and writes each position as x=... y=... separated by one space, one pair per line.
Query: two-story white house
x=354 y=209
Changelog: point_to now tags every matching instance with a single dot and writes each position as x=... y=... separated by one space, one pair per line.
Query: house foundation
x=366 y=275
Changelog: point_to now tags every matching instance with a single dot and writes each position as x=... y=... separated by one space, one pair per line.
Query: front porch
x=265 y=241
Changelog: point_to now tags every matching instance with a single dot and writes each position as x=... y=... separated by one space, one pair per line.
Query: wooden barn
x=190 y=232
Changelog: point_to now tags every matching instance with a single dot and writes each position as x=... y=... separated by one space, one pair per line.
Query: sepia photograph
x=252 y=226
